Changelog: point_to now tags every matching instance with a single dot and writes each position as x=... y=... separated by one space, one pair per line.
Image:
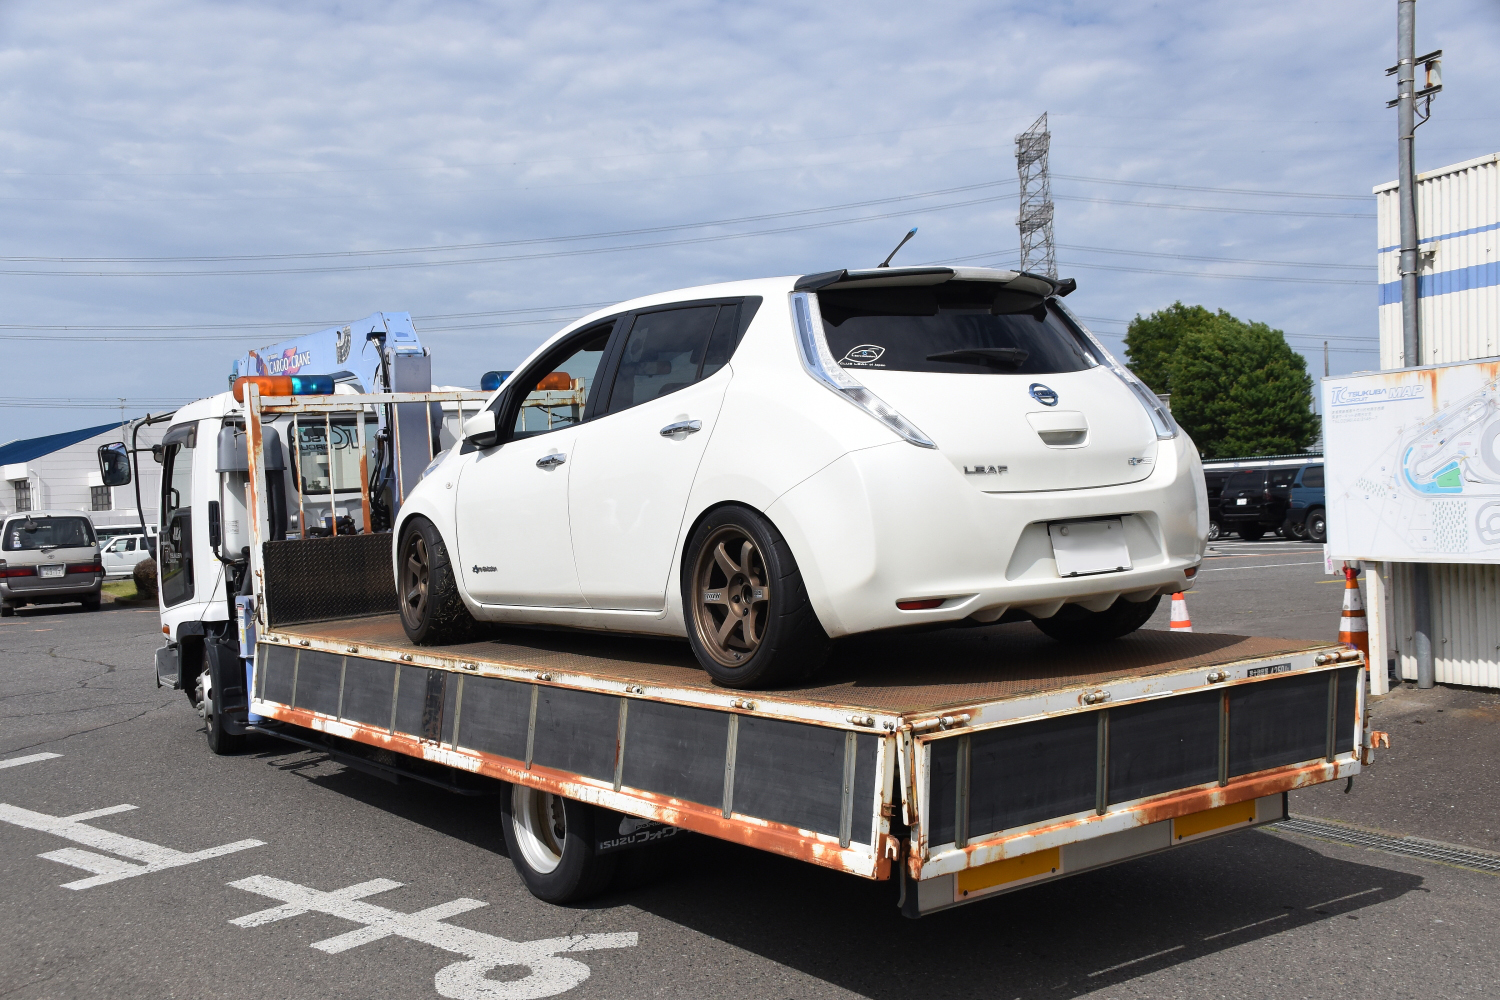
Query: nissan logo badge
x=1042 y=394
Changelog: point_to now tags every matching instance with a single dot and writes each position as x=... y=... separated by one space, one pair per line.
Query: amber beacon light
x=285 y=385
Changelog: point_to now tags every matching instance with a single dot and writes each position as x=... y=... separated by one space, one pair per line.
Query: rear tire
x=1317 y=526
x=7 y=609
x=432 y=613
x=749 y=619
x=1075 y=624
x=1252 y=533
x=550 y=840
x=92 y=602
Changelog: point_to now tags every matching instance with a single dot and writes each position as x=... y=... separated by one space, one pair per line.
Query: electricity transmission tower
x=1038 y=253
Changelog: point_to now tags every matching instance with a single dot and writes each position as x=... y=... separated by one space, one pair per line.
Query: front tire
x=210 y=705
x=749 y=618
x=550 y=840
x=1078 y=625
x=432 y=613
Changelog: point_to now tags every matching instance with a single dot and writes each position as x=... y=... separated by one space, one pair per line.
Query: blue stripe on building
x=1447 y=236
x=25 y=450
x=1461 y=279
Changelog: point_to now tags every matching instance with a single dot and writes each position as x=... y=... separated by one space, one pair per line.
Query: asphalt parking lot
x=274 y=834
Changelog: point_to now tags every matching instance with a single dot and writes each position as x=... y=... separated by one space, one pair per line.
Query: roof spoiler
x=889 y=277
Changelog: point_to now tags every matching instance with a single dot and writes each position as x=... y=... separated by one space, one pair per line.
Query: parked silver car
x=49 y=557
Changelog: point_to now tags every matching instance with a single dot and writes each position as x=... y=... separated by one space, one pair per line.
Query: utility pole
x=1405 y=103
x=1038 y=252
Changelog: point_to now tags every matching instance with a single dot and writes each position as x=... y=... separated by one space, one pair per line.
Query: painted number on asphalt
x=548 y=971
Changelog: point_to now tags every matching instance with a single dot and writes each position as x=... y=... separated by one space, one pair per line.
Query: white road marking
x=1143 y=958
x=150 y=857
x=33 y=758
x=1226 y=569
x=548 y=973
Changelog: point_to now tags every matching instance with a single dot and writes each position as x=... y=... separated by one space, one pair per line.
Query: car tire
x=748 y=615
x=92 y=602
x=1078 y=625
x=1252 y=533
x=7 y=609
x=1298 y=530
x=210 y=706
x=432 y=612
x=1214 y=531
x=550 y=840
x=1317 y=525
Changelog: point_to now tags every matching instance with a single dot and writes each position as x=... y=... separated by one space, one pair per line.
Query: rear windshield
x=1255 y=480
x=961 y=327
x=22 y=533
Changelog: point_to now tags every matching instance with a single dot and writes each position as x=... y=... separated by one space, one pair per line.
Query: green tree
x=1239 y=389
x=1151 y=341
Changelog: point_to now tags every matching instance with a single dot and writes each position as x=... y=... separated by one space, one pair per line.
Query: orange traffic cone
x=1180 y=620
x=1352 y=627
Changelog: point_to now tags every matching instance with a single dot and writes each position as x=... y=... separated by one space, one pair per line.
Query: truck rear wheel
x=432 y=613
x=749 y=619
x=550 y=840
x=1075 y=624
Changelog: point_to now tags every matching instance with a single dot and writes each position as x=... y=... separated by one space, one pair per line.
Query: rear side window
x=959 y=327
x=1283 y=477
x=662 y=354
x=1253 y=480
x=1313 y=477
x=26 y=533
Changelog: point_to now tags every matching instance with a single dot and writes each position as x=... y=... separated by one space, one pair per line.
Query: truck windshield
x=24 y=533
x=960 y=327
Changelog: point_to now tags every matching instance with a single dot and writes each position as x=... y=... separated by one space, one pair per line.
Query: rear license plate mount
x=1084 y=548
x=51 y=572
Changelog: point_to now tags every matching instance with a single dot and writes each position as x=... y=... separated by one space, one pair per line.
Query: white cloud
x=159 y=129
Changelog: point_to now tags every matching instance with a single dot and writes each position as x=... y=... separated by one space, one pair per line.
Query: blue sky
x=166 y=129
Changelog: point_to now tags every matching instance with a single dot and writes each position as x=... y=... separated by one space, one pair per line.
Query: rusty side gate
x=959 y=799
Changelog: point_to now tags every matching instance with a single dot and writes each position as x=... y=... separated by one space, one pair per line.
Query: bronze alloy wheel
x=415 y=579
x=733 y=595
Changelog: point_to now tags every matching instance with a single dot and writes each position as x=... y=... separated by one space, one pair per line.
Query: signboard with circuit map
x=1413 y=464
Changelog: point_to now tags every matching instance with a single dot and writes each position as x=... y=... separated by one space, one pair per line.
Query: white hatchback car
x=766 y=465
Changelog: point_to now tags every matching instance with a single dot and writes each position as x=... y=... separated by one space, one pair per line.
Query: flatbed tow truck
x=962 y=764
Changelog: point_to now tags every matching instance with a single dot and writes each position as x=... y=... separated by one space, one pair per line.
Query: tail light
x=922 y=605
x=18 y=571
x=92 y=567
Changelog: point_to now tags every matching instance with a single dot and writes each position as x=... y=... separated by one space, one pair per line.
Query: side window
x=175 y=573
x=1313 y=477
x=663 y=353
x=561 y=396
x=126 y=545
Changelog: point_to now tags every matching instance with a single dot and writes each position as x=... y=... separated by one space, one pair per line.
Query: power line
x=1001 y=254
x=311 y=324
x=1216 y=190
x=503 y=259
x=1212 y=208
x=454 y=247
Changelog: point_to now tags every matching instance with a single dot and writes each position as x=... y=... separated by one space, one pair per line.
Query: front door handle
x=682 y=426
x=551 y=461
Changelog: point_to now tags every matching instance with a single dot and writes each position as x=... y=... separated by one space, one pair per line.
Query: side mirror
x=114 y=464
x=482 y=429
x=213 y=525
x=157 y=453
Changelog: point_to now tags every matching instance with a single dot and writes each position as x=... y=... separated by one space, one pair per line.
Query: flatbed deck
x=910 y=674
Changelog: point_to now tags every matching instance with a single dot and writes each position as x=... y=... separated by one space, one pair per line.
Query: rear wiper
x=993 y=357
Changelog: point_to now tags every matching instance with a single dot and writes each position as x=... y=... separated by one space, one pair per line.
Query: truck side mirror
x=482 y=430
x=157 y=453
x=114 y=464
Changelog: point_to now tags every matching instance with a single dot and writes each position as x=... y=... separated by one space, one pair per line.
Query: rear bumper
x=897 y=523
x=69 y=588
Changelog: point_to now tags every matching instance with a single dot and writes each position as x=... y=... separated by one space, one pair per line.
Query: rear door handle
x=682 y=426
x=551 y=461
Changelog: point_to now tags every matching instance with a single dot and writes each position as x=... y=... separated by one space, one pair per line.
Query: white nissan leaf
x=765 y=466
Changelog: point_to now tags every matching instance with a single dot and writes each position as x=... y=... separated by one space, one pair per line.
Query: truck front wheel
x=210 y=705
x=550 y=840
x=432 y=613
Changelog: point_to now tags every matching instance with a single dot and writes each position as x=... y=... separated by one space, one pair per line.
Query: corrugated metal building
x=1458 y=228
x=61 y=472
